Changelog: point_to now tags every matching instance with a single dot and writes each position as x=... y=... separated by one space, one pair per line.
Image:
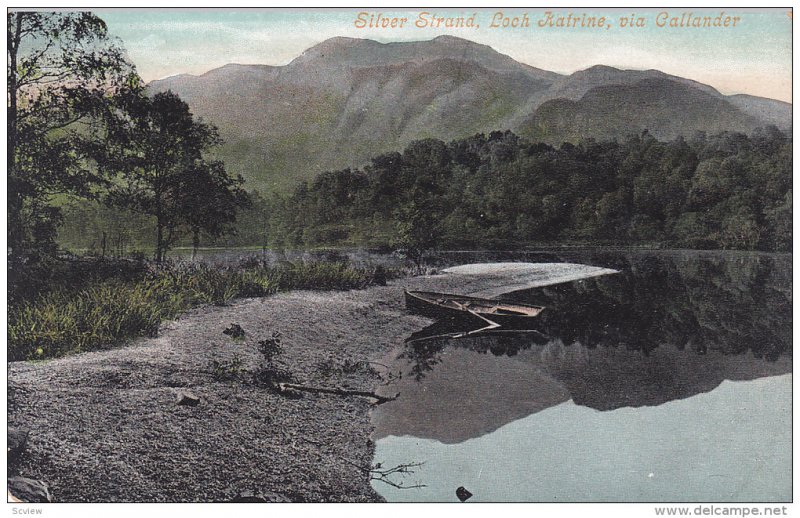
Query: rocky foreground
x=187 y=417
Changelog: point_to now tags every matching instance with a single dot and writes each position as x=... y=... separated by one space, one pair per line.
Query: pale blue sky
x=754 y=57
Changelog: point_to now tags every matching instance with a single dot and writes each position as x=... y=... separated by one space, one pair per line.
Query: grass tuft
x=111 y=311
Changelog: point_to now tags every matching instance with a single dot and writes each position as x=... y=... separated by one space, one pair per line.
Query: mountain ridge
x=345 y=100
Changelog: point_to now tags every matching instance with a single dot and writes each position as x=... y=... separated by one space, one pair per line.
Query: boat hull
x=425 y=304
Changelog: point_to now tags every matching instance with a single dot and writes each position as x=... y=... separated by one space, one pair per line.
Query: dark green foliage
x=93 y=228
x=729 y=191
x=269 y=372
x=63 y=73
x=226 y=370
x=270 y=347
x=99 y=312
x=235 y=331
x=82 y=129
x=156 y=155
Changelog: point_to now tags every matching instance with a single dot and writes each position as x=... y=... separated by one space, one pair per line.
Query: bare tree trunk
x=159 y=231
x=159 y=242
x=15 y=196
x=195 y=243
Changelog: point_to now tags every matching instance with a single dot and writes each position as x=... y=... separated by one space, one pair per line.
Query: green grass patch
x=103 y=313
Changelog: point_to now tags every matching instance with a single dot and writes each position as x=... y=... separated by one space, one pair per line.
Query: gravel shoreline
x=105 y=426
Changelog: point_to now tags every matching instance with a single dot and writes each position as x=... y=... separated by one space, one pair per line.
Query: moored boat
x=446 y=305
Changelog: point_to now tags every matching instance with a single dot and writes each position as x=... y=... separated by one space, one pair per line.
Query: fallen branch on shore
x=282 y=387
x=381 y=474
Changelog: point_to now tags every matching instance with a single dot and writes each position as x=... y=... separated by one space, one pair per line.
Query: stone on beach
x=261 y=497
x=28 y=490
x=17 y=439
x=186 y=398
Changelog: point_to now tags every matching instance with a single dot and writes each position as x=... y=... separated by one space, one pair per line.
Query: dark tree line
x=81 y=126
x=728 y=191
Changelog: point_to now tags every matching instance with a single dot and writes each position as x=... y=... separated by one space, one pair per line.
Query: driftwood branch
x=282 y=387
x=377 y=472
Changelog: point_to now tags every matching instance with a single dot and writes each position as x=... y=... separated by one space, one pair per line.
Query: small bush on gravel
x=269 y=373
x=270 y=347
x=226 y=370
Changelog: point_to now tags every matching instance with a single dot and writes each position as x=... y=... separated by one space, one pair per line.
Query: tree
x=159 y=158
x=426 y=166
x=63 y=73
x=779 y=219
x=211 y=200
x=417 y=228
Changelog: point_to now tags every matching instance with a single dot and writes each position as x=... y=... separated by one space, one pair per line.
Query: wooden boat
x=445 y=305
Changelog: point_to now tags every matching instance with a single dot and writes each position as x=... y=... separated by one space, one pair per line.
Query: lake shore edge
x=106 y=426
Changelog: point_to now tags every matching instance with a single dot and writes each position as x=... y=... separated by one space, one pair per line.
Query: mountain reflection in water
x=666 y=327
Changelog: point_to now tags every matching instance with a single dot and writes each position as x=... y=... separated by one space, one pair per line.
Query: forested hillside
x=728 y=190
x=723 y=191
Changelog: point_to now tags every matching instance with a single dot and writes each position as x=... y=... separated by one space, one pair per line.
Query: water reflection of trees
x=732 y=303
x=424 y=348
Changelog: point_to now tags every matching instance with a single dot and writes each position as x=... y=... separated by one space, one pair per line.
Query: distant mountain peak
x=338 y=47
x=599 y=69
x=340 y=41
x=449 y=38
x=454 y=42
x=343 y=51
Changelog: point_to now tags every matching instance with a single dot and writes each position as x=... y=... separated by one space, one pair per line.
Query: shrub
x=101 y=313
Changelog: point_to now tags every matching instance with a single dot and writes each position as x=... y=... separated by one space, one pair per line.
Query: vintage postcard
x=382 y=254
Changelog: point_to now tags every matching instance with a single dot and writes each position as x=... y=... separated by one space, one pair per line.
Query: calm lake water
x=232 y=256
x=670 y=381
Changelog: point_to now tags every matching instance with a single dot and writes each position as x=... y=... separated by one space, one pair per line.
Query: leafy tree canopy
x=157 y=154
x=63 y=73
